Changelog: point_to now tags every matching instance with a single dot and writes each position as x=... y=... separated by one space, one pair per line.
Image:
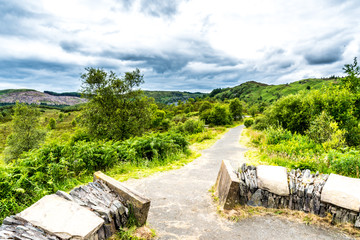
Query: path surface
x=182 y=208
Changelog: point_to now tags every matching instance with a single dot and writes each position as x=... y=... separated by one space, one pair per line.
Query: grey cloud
x=158 y=8
x=174 y=61
x=324 y=55
x=70 y=46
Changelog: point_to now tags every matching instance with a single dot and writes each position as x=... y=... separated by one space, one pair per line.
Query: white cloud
x=189 y=41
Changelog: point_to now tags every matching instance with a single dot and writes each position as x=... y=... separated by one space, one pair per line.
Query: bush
x=248 y=122
x=52 y=123
x=192 y=126
x=324 y=130
x=206 y=105
x=347 y=163
x=217 y=116
x=277 y=135
x=260 y=123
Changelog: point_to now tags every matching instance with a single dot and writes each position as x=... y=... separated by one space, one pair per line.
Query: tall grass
x=292 y=150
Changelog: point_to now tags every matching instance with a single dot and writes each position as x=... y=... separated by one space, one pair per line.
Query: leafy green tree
x=61 y=117
x=324 y=130
x=190 y=100
x=206 y=105
x=52 y=123
x=26 y=133
x=217 y=116
x=352 y=80
x=236 y=109
x=253 y=110
x=116 y=108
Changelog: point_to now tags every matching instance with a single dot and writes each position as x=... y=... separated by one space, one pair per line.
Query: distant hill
x=254 y=92
x=29 y=96
x=250 y=92
x=169 y=97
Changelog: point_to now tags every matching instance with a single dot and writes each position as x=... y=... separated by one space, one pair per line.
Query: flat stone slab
x=273 y=179
x=63 y=218
x=342 y=191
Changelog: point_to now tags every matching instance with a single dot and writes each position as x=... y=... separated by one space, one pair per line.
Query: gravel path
x=182 y=208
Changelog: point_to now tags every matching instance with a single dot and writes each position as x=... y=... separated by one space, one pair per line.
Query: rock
x=357 y=223
x=273 y=179
x=62 y=217
x=64 y=195
x=227 y=186
x=342 y=191
x=271 y=201
x=255 y=199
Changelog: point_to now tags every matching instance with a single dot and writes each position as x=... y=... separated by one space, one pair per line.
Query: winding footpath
x=182 y=208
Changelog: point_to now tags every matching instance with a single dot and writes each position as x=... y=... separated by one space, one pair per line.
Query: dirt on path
x=182 y=207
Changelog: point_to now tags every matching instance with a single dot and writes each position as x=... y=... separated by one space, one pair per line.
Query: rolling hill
x=254 y=92
x=250 y=92
x=29 y=96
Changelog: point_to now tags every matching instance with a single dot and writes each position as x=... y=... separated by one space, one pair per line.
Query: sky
x=186 y=45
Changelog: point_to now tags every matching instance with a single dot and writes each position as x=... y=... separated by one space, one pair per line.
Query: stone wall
x=95 y=211
x=274 y=187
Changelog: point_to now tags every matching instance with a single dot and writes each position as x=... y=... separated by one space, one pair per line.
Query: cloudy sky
x=191 y=45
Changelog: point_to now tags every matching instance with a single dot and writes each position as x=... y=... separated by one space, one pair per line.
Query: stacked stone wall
x=304 y=195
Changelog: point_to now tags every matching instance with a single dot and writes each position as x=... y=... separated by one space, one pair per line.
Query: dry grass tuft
x=242 y=212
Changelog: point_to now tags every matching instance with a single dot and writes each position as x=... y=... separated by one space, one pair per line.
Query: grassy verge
x=291 y=150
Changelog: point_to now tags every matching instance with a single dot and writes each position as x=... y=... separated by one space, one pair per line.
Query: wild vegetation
x=313 y=129
x=119 y=130
x=310 y=124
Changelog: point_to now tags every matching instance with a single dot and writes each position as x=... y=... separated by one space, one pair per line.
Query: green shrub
x=191 y=126
x=74 y=122
x=277 y=135
x=260 y=123
x=347 y=163
x=248 y=122
x=52 y=123
x=217 y=116
x=324 y=130
x=205 y=106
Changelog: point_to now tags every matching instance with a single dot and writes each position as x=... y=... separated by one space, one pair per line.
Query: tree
x=236 y=109
x=219 y=115
x=352 y=80
x=26 y=133
x=324 y=130
x=206 y=105
x=116 y=110
x=253 y=110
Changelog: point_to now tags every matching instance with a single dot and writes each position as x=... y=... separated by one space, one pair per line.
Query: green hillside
x=8 y=91
x=168 y=97
x=254 y=92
